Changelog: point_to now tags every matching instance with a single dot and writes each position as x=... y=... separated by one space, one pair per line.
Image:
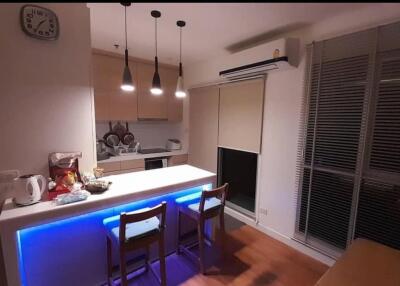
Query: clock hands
x=41 y=22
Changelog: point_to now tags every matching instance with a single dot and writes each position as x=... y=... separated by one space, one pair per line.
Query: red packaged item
x=64 y=171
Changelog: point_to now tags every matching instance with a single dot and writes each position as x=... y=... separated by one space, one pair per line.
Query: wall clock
x=39 y=22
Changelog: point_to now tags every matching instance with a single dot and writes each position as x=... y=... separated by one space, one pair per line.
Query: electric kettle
x=27 y=190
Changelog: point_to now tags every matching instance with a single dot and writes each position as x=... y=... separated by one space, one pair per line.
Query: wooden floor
x=249 y=258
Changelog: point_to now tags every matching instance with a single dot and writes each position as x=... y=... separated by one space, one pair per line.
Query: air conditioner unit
x=276 y=55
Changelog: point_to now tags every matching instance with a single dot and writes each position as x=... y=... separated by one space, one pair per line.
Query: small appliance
x=173 y=144
x=155 y=163
x=27 y=189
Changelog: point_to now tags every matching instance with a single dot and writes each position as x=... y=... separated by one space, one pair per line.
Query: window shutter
x=385 y=150
x=336 y=96
x=349 y=184
x=341 y=97
x=378 y=216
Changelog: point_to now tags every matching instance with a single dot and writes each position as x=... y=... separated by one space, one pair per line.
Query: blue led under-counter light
x=193 y=196
x=55 y=253
x=188 y=198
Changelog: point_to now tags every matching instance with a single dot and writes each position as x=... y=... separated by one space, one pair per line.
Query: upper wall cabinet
x=165 y=106
x=169 y=79
x=240 y=115
x=111 y=103
x=149 y=106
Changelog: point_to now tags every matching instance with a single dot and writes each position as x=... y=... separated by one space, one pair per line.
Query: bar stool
x=134 y=230
x=211 y=204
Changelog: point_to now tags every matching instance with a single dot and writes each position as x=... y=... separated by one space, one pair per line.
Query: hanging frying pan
x=111 y=138
x=128 y=137
x=120 y=130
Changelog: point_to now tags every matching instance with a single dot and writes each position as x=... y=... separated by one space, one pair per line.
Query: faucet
x=137 y=147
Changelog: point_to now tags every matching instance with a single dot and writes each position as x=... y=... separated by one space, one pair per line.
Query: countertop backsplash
x=150 y=134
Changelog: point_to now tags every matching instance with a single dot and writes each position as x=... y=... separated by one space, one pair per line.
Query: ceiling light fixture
x=156 y=85
x=127 y=83
x=180 y=91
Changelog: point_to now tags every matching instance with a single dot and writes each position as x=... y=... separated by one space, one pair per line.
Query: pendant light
x=156 y=85
x=180 y=91
x=127 y=83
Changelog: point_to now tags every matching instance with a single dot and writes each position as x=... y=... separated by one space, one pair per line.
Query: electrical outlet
x=263 y=211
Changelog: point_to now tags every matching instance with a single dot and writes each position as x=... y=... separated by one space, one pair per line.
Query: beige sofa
x=365 y=263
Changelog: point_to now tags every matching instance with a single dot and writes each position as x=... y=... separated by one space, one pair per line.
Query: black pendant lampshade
x=127 y=82
x=180 y=91
x=156 y=85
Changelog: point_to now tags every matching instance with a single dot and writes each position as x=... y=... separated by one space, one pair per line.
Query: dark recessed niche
x=239 y=169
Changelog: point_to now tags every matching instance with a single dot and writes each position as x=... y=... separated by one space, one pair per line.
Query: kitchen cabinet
x=110 y=166
x=240 y=115
x=121 y=167
x=150 y=106
x=169 y=79
x=111 y=103
x=177 y=160
x=203 y=127
x=163 y=107
x=132 y=164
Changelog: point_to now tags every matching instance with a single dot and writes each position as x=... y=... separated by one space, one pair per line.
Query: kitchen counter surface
x=135 y=156
x=124 y=188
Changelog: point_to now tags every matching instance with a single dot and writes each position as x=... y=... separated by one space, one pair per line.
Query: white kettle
x=27 y=190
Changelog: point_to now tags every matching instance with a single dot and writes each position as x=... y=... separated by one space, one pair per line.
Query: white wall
x=150 y=134
x=283 y=96
x=46 y=103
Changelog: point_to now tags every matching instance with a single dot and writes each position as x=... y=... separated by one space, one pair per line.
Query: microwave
x=155 y=163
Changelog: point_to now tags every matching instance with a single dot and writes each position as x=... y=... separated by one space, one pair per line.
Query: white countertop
x=125 y=188
x=134 y=156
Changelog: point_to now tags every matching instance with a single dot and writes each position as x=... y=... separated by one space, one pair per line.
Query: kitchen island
x=45 y=244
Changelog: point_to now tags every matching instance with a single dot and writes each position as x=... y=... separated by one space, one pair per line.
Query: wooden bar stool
x=211 y=204
x=134 y=230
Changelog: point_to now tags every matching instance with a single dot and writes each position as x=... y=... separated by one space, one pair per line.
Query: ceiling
x=212 y=29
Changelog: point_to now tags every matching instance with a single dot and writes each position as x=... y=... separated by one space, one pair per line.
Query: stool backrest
x=126 y=218
x=219 y=193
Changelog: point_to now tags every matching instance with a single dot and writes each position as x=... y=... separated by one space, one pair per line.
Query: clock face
x=39 y=22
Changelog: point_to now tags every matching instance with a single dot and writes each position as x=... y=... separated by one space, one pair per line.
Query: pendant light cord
x=126 y=34
x=155 y=22
x=126 y=42
x=180 y=44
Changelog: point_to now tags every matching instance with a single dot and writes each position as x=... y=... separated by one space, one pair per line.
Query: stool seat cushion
x=208 y=204
x=133 y=230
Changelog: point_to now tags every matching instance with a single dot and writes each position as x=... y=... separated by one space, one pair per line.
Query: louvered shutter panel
x=385 y=150
x=341 y=97
x=337 y=90
x=378 y=212
x=349 y=184
x=378 y=216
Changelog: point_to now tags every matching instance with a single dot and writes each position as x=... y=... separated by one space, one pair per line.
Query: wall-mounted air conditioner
x=276 y=55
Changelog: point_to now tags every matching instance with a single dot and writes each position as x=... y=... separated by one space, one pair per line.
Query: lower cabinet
x=122 y=167
x=178 y=160
x=136 y=165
